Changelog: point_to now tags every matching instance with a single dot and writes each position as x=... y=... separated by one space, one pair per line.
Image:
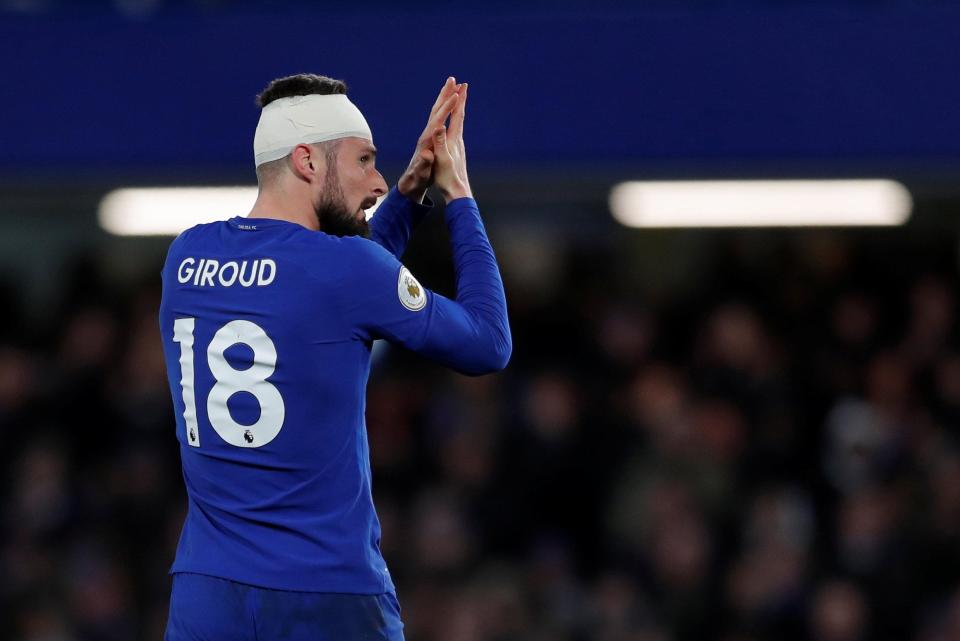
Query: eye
x=365 y=158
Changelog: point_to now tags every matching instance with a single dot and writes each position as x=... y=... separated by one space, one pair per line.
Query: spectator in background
x=777 y=462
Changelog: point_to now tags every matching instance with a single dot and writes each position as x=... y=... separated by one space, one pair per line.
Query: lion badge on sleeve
x=412 y=295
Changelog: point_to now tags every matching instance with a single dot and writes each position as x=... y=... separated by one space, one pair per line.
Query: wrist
x=456 y=191
x=411 y=190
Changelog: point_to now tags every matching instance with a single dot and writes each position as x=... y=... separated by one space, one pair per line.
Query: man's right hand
x=419 y=173
x=450 y=156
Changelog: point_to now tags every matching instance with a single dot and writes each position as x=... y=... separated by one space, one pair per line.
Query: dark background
x=738 y=435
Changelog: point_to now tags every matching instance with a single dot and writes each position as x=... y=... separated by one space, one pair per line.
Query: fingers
x=441 y=108
x=439 y=117
x=445 y=90
x=449 y=174
x=424 y=160
x=450 y=86
x=441 y=152
x=432 y=151
x=458 y=115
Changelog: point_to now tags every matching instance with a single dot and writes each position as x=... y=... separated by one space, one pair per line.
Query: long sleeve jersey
x=267 y=331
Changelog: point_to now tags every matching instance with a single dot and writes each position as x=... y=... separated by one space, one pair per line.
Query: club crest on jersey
x=411 y=294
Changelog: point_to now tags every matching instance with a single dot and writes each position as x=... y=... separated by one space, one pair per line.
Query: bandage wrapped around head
x=288 y=122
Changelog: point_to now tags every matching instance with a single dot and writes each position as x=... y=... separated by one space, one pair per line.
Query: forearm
x=479 y=286
x=395 y=220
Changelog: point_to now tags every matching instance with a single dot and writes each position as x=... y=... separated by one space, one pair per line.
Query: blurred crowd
x=769 y=453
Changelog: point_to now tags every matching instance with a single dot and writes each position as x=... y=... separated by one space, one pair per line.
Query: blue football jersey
x=267 y=330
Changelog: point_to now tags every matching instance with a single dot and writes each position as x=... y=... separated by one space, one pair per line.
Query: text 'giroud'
x=210 y=272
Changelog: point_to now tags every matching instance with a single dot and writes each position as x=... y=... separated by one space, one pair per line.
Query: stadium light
x=162 y=211
x=761 y=203
x=167 y=211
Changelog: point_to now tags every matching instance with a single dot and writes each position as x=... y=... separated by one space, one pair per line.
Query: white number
x=252 y=380
x=183 y=334
x=229 y=381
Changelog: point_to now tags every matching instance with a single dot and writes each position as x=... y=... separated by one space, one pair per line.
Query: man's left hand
x=419 y=173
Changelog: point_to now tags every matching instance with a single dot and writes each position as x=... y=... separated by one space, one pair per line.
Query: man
x=267 y=325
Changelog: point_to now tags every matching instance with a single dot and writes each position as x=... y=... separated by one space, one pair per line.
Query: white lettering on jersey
x=185 y=273
x=253 y=273
x=223 y=270
x=263 y=280
x=196 y=279
x=209 y=272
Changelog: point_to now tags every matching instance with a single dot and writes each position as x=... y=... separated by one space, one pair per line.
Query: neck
x=280 y=204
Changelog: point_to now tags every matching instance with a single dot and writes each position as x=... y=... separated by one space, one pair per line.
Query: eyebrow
x=371 y=150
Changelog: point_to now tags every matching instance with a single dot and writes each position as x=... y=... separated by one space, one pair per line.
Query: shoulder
x=181 y=243
x=364 y=249
x=191 y=235
x=351 y=256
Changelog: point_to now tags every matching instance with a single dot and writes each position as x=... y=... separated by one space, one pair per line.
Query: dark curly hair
x=302 y=84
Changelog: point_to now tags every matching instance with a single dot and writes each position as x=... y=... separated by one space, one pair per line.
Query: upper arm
x=383 y=299
x=380 y=298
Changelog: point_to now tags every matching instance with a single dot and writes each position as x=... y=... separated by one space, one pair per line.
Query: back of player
x=267 y=325
x=270 y=394
x=273 y=415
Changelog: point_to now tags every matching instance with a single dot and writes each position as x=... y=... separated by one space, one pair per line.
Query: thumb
x=425 y=157
x=440 y=142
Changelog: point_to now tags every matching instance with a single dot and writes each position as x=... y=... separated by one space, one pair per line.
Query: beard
x=333 y=214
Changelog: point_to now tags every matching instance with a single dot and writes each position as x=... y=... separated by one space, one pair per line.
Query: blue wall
x=850 y=86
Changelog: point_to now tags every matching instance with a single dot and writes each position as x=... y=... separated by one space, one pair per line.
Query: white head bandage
x=288 y=122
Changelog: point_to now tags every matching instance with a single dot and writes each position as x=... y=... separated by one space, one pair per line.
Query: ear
x=305 y=162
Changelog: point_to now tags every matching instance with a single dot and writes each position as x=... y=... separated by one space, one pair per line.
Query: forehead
x=353 y=144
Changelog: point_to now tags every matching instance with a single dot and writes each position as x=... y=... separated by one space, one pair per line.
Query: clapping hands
x=440 y=156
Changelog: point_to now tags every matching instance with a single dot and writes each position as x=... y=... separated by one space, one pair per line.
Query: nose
x=380 y=187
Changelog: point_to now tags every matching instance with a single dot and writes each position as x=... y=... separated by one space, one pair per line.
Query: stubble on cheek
x=333 y=214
